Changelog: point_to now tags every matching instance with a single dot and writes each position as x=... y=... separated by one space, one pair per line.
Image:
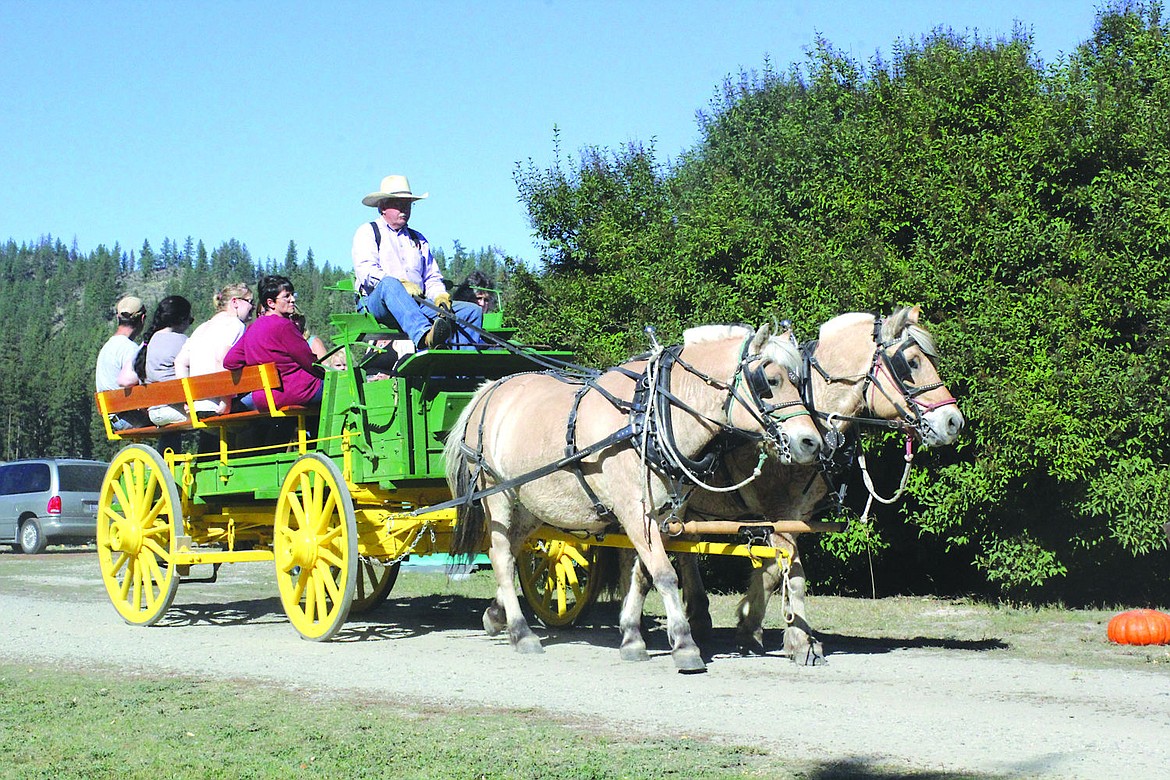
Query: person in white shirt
x=117 y=355
x=393 y=269
x=203 y=353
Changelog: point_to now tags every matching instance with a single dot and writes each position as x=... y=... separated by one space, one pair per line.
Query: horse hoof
x=635 y=653
x=804 y=649
x=490 y=626
x=528 y=645
x=749 y=645
x=812 y=655
x=688 y=661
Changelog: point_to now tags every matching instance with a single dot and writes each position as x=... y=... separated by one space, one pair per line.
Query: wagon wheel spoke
x=374 y=583
x=558 y=580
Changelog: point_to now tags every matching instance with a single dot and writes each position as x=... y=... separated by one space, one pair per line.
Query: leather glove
x=443 y=301
x=411 y=287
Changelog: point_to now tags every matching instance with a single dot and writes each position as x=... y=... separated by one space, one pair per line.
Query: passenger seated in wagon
x=206 y=347
x=273 y=338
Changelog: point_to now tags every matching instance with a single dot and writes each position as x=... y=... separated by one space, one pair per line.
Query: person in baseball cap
x=115 y=361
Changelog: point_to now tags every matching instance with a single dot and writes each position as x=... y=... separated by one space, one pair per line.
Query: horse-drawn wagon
x=387 y=468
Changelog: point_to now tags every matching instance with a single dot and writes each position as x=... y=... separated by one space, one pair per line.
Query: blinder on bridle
x=900 y=366
x=901 y=371
x=758 y=382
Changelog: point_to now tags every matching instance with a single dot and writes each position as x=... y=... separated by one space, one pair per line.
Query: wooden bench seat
x=188 y=390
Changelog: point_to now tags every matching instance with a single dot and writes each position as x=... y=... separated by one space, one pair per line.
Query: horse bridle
x=769 y=415
x=911 y=411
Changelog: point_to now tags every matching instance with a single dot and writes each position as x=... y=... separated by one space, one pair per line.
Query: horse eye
x=915 y=363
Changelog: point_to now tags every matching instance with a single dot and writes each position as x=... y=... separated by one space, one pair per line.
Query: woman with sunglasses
x=205 y=349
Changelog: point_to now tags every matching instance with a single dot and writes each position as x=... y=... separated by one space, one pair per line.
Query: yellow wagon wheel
x=139 y=521
x=559 y=579
x=374 y=582
x=315 y=545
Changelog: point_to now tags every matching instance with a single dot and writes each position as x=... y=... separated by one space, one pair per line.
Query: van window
x=25 y=478
x=80 y=479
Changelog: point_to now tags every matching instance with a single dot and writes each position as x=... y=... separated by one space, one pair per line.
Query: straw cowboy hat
x=393 y=186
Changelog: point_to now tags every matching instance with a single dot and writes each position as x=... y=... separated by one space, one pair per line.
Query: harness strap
x=603 y=511
x=475 y=495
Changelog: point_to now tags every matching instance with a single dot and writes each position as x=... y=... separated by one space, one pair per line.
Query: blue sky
x=126 y=121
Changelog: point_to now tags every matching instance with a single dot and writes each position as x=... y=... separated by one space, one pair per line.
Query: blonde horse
x=865 y=370
x=617 y=450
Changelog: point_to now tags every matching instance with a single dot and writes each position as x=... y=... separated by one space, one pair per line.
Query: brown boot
x=437 y=336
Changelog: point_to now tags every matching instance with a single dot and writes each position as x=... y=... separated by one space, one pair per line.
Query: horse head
x=763 y=396
x=885 y=367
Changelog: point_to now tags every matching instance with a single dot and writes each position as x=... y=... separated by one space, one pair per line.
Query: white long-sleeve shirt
x=203 y=354
x=403 y=254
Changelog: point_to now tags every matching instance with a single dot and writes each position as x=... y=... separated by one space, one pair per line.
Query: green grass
x=58 y=724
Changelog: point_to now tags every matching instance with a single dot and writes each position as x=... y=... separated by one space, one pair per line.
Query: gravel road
x=890 y=707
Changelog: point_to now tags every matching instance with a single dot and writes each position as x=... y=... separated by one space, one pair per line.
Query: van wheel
x=32 y=541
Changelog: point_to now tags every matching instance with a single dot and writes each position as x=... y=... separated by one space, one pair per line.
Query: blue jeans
x=391 y=305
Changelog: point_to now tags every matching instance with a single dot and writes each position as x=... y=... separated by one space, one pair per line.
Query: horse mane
x=843 y=321
x=923 y=339
x=704 y=333
x=911 y=330
x=777 y=349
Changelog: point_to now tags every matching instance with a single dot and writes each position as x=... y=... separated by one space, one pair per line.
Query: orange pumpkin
x=1140 y=627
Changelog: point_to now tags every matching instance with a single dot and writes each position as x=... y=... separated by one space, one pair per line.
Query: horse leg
x=749 y=629
x=502 y=551
x=799 y=642
x=694 y=595
x=633 y=647
x=684 y=651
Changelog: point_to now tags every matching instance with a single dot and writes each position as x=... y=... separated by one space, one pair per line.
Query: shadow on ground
x=863 y=769
x=421 y=615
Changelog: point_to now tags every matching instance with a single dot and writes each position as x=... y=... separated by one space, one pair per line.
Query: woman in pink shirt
x=273 y=338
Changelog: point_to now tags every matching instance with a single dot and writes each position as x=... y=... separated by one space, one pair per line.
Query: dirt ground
x=889 y=708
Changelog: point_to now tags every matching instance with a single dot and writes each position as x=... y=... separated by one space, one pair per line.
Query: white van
x=49 y=499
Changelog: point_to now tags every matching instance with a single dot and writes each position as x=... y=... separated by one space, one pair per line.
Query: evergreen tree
x=289 y=268
x=146 y=260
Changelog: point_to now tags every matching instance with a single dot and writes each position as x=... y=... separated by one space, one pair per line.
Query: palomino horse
x=864 y=370
x=615 y=449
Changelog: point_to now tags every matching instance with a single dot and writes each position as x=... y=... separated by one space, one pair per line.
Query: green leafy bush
x=1024 y=206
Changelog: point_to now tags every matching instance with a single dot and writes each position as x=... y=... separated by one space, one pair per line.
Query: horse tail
x=469 y=533
x=612 y=572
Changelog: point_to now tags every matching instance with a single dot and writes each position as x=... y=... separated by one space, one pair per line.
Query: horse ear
x=760 y=339
x=896 y=323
